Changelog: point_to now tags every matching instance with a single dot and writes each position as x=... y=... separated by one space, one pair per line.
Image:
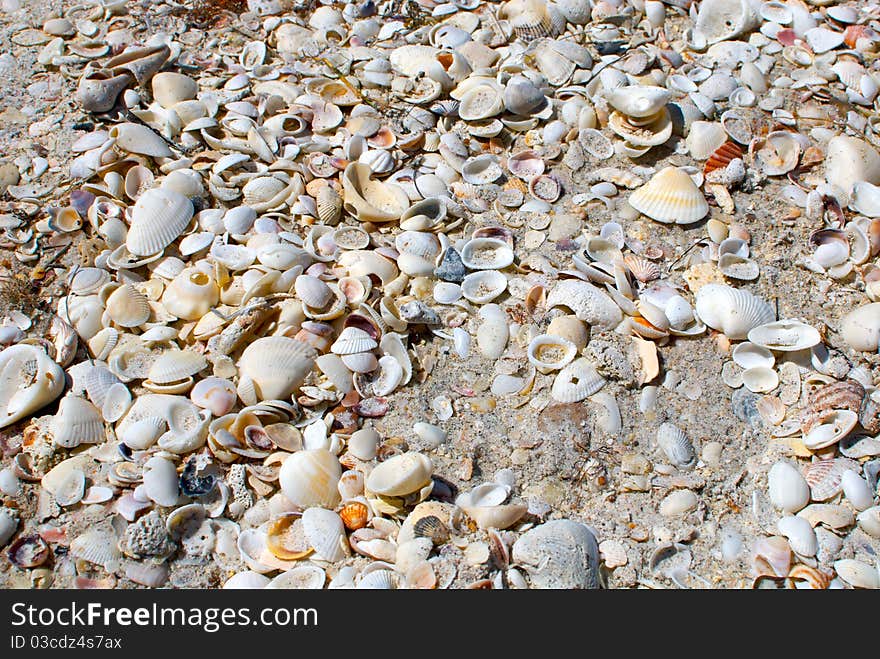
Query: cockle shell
x=176 y=365
x=29 y=380
x=589 y=303
x=732 y=311
x=400 y=475
x=325 y=532
x=309 y=478
x=158 y=218
x=277 y=365
x=675 y=444
x=77 y=422
x=670 y=196
x=576 y=381
x=788 y=489
x=559 y=554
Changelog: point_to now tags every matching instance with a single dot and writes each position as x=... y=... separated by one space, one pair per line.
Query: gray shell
x=676 y=446
x=559 y=554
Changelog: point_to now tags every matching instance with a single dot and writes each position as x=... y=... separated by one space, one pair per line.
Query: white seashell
x=639 y=101
x=161 y=481
x=589 y=303
x=550 y=353
x=71 y=490
x=670 y=196
x=704 y=138
x=29 y=380
x=377 y=580
x=749 y=355
x=860 y=328
x=176 y=365
x=779 y=154
x=576 y=381
x=461 y=342
x=247 y=580
x=364 y=443
x=8 y=524
x=157 y=219
x=360 y=362
x=869 y=521
x=312 y=291
x=785 y=336
x=835 y=426
x=325 y=532
x=760 y=379
x=445 y=292
x=481 y=101
x=800 y=535
x=277 y=365
x=849 y=160
x=370 y=200
x=482 y=286
x=482 y=169
x=559 y=554
x=143 y=433
x=857 y=490
x=77 y=422
x=400 y=475
x=494 y=332
x=353 y=340
x=788 y=489
x=486 y=254
x=136 y=138
x=678 y=502
x=719 y=20
x=675 y=444
x=128 y=307
x=116 y=403
x=191 y=294
x=731 y=311
x=170 y=88
x=865 y=199
x=97 y=547
x=310 y=478
x=858 y=574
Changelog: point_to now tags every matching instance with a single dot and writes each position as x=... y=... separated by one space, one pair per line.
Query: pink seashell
x=215 y=394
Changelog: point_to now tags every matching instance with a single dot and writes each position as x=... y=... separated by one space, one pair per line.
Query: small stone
x=451 y=268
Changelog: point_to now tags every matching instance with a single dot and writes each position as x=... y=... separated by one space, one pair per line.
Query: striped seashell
x=353 y=340
x=128 y=307
x=277 y=365
x=97 y=547
x=175 y=365
x=732 y=311
x=671 y=196
x=576 y=381
x=533 y=19
x=846 y=395
x=825 y=476
x=676 y=446
x=77 y=422
x=157 y=219
x=329 y=204
x=723 y=156
x=641 y=268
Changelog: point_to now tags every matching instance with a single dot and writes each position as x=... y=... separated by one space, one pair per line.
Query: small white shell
x=760 y=379
x=550 y=353
x=326 y=533
x=858 y=574
x=788 y=488
x=800 y=534
x=675 y=444
x=486 y=254
x=785 y=336
x=857 y=490
x=482 y=286
x=576 y=382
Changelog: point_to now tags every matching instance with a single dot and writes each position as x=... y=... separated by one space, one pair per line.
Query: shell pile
x=406 y=294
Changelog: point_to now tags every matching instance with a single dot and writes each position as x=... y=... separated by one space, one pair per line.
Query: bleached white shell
x=353 y=340
x=309 y=478
x=128 y=307
x=8 y=524
x=98 y=547
x=704 y=138
x=175 y=365
x=576 y=381
x=718 y=20
x=191 y=294
x=157 y=219
x=835 y=426
x=77 y=422
x=161 y=481
x=785 y=336
x=732 y=311
x=29 y=380
x=246 y=580
x=400 y=475
x=869 y=521
x=857 y=574
x=559 y=554
x=486 y=254
x=860 y=328
x=787 y=487
x=639 y=101
x=116 y=402
x=277 y=365
x=136 y=138
x=800 y=534
x=760 y=379
x=849 y=160
x=550 y=353
x=494 y=332
x=676 y=446
x=326 y=533
x=670 y=196
x=589 y=303
x=483 y=286
x=749 y=355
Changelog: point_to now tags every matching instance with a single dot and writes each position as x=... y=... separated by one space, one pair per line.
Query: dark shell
x=193 y=485
x=29 y=551
x=431 y=527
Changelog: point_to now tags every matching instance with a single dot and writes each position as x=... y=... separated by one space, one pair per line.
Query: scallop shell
x=97 y=547
x=309 y=478
x=676 y=446
x=325 y=531
x=29 y=380
x=277 y=365
x=705 y=138
x=550 y=353
x=576 y=382
x=732 y=311
x=175 y=365
x=670 y=196
x=77 y=422
x=128 y=307
x=158 y=218
x=589 y=303
x=824 y=477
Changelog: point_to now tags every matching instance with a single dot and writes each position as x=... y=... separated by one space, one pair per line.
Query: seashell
x=760 y=379
x=646 y=133
x=329 y=205
x=8 y=524
x=71 y=490
x=29 y=380
x=312 y=291
x=732 y=311
x=834 y=426
x=704 y=138
x=158 y=218
x=175 y=365
x=139 y=139
x=285 y=538
x=480 y=287
x=325 y=532
x=869 y=521
x=558 y=554
x=400 y=475
x=800 y=535
x=532 y=19
x=860 y=328
x=29 y=551
x=98 y=548
x=824 y=477
x=309 y=478
x=723 y=157
x=857 y=574
x=494 y=332
x=789 y=490
x=526 y=164
x=857 y=490
x=370 y=200
x=449 y=293
x=719 y=20
x=99 y=89
x=849 y=160
x=161 y=481
x=77 y=422
x=865 y=199
x=576 y=382
x=353 y=340
x=670 y=196
x=486 y=254
x=784 y=336
x=522 y=97
x=169 y=88
x=481 y=170
x=116 y=403
x=214 y=394
x=141 y=62
x=550 y=353
x=677 y=447
x=545 y=188
x=750 y=355
x=595 y=143
x=277 y=365
x=355 y=515
x=589 y=303
x=779 y=153
x=191 y=294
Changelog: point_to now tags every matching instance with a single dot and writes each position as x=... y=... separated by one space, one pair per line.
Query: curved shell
x=77 y=422
x=860 y=328
x=486 y=254
x=29 y=380
x=732 y=311
x=835 y=426
x=400 y=475
x=370 y=200
x=718 y=20
x=157 y=219
x=128 y=307
x=175 y=365
x=788 y=489
x=576 y=381
x=482 y=286
x=676 y=446
x=559 y=554
x=589 y=303
x=670 y=196
x=800 y=534
x=325 y=532
x=136 y=138
x=550 y=353
x=785 y=336
x=277 y=365
x=310 y=478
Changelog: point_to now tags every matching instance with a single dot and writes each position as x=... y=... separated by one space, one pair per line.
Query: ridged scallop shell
x=312 y=291
x=483 y=286
x=576 y=381
x=310 y=478
x=158 y=218
x=77 y=422
x=325 y=531
x=824 y=477
x=97 y=547
x=722 y=157
x=550 y=353
x=353 y=340
x=705 y=138
x=732 y=311
x=589 y=303
x=128 y=307
x=175 y=365
x=29 y=380
x=670 y=196
x=329 y=204
x=277 y=365
x=676 y=446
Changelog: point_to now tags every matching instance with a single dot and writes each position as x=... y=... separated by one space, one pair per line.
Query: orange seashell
x=285 y=538
x=723 y=156
x=355 y=515
x=816 y=579
x=853 y=33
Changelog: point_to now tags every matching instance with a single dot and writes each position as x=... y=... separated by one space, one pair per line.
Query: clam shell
x=486 y=254
x=480 y=287
x=800 y=534
x=77 y=422
x=400 y=475
x=732 y=311
x=136 y=138
x=161 y=481
x=158 y=218
x=788 y=489
x=29 y=380
x=639 y=101
x=670 y=196
x=835 y=426
x=309 y=478
x=550 y=353
x=325 y=532
x=860 y=328
x=97 y=547
x=785 y=336
x=175 y=365
x=576 y=381
x=760 y=379
x=277 y=365
x=128 y=307
x=857 y=574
